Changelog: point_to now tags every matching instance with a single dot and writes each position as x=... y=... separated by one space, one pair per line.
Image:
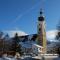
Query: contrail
x=27 y=11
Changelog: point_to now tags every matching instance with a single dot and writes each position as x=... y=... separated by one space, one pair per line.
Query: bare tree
x=1 y=34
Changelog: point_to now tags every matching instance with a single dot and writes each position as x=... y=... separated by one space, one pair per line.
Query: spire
x=42 y=4
x=41 y=18
x=41 y=12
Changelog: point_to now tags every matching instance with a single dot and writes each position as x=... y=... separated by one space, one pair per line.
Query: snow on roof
x=29 y=44
x=37 y=45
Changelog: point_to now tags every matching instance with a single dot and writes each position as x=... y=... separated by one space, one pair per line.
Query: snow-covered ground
x=7 y=58
x=30 y=58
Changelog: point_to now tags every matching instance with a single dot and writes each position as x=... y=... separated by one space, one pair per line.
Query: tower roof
x=41 y=18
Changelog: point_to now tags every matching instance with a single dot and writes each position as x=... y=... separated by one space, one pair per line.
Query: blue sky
x=23 y=14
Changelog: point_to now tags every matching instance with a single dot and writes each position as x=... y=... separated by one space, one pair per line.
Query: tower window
x=39 y=29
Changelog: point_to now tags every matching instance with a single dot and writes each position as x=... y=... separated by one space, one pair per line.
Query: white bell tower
x=41 y=40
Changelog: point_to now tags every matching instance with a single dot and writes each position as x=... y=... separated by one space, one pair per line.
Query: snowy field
x=28 y=58
x=40 y=57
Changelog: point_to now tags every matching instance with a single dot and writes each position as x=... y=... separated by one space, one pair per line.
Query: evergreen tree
x=16 y=46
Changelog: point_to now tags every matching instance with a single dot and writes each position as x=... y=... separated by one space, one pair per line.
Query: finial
x=41 y=12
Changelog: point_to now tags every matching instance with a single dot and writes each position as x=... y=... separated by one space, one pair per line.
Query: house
x=37 y=49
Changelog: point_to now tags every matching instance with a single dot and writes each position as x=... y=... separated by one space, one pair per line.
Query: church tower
x=41 y=39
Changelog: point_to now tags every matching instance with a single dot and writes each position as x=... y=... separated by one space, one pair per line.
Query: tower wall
x=41 y=33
